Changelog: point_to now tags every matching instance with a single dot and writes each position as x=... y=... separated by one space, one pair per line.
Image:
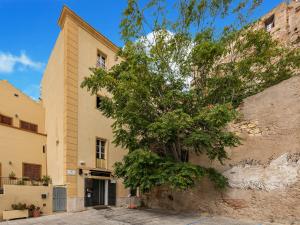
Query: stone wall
x=286 y=22
x=263 y=172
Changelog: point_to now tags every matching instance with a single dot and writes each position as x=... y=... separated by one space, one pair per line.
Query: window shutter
x=28 y=126
x=5 y=120
x=32 y=171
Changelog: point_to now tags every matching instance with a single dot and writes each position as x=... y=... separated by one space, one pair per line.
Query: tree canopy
x=175 y=91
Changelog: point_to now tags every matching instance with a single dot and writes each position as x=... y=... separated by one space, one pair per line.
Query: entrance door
x=59 y=199
x=94 y=192
x=112 y=193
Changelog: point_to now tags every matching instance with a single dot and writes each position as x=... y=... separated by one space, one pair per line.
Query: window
x=32 y=171
x=101 y=60
x=270 y=23
x=28 y=126
x=98 y=101
x=5 y=120
x=100 y=149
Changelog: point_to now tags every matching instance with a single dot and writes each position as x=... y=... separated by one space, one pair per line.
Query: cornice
x=67 y=12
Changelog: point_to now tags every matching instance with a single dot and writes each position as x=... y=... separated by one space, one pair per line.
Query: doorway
x=59 y=199
x=94 y=192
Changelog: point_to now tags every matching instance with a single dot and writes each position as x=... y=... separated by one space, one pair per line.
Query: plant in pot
x=46 y=180
x=37 y=212
x=21 y=182
x=18 y=211
x=31 y=208
x=34 y=183
x=12 y=175
x=19 y=206
x=25 y=178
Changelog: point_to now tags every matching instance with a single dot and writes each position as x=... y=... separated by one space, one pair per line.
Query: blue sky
x=29 y=30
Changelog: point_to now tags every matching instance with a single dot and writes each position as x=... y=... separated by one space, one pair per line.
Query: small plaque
x=113 y=181
x=71 y=172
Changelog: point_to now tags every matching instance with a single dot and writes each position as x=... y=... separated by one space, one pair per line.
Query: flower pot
x=36 y=213
x=15 y=214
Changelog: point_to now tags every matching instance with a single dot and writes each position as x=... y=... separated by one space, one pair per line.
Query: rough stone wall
x=263 y=172
x=286 y=22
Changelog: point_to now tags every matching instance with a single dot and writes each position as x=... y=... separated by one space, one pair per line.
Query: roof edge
x=39 y=101
x=67 y=12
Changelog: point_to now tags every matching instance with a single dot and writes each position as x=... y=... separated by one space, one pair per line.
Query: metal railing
x=21 y=181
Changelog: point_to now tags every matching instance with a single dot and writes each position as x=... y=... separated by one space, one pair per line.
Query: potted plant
x=12 y=175
x=19 y=206
x=26 y=178
x=37 y=212
x=34 y=183
x=31 y=208
x=46 y=180
x=18 y=211
x=21 y=182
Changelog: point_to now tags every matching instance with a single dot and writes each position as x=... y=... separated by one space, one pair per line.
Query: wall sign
x=71 y=172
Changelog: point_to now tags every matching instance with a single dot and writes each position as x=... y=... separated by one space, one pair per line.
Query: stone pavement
x=121 y=216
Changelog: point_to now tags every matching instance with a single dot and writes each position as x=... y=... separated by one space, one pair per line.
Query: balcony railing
x=101 y=163
x=21 y=181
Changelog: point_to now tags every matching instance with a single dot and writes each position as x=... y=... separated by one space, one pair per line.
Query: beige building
x=22 y=134
x=23 y=158
x=65 y=136
x=80 y=149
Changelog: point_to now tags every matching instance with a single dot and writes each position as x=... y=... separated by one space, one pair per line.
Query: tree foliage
x=174 y=95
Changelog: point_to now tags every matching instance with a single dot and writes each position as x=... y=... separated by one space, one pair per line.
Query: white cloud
x=150 y=39
x=9 y=62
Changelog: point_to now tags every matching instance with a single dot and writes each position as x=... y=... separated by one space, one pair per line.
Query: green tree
x=174 y=94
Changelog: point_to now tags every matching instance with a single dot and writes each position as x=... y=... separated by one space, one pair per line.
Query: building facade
x=80 y=149
x=23 y=153
x=22 y=135
x=65 y=136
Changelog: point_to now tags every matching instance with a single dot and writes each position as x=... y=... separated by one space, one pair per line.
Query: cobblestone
x=121 y=216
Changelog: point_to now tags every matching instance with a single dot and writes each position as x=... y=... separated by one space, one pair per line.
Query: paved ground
x=120 y=216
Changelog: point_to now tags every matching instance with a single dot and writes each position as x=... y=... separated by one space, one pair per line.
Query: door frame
x=104 y=195
x=64 y=199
